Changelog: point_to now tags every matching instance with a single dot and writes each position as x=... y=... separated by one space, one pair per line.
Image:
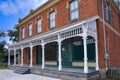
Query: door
x=78 y=51
x=38 y=55
x=67 y=55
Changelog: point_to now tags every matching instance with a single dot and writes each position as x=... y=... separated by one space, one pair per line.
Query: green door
x=67 y=55
x=91 y=52
x=78 y=54
x=38 y=55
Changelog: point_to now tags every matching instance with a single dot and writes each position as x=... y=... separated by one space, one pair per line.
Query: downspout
x=104 y=34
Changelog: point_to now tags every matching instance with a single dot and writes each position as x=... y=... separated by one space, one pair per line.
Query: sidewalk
x=10 y=75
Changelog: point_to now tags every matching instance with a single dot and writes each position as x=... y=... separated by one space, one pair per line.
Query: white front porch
x=82 y=29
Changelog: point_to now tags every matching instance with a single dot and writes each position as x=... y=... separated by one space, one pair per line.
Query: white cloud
x=8 y=8
x=12 y=7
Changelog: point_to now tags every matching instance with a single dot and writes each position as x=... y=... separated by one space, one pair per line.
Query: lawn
x=3 y=67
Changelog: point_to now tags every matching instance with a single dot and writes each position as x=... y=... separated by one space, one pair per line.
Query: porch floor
x=50 y=70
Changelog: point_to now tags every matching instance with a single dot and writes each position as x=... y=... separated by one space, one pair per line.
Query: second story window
x=107 y=12
x=74 y=10
x=52 y=19
x=30 y=29
x=38 y=25
x=23 y=33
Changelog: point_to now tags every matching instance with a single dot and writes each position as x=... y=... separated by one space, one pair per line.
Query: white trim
x=8 y=57
x=14 y=56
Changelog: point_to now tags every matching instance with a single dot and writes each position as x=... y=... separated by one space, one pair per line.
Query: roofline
x=37 y=11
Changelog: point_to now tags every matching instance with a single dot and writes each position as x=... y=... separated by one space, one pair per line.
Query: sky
x=12 y=10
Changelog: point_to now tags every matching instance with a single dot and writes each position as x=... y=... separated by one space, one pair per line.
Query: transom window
x=23 y=33
x=38 y=25
x=52 y=19
x=74 y=10
x=30 y=29
x=107 y=12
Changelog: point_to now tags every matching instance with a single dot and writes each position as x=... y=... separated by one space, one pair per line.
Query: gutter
x=104 y=34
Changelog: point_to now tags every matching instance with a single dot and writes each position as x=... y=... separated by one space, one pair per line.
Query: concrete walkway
x=10 y=75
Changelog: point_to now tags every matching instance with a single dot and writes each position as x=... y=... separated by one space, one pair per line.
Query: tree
x=2 y=55
x=2 y=44
x=2 y=34
x=13 y=34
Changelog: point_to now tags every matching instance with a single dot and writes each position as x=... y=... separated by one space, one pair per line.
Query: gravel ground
x=10 y=75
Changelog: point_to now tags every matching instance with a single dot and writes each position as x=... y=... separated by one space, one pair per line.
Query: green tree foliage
x=2 y=55
x=13 y=34
x=2 y=34
x=2 y=44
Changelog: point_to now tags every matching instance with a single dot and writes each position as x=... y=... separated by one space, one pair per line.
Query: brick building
x=65 y=35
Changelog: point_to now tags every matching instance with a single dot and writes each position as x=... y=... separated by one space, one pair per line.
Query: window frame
x=40 y=25
x=50 y=20
x=74 y=11
x=107 y=9
x=23 y=34
x=29 y=30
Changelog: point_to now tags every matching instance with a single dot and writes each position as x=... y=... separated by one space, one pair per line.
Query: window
x=23 y=33
x=38 y=25
x=52 y=19
x=107 y=12
x=30 y=29
x=74 y=10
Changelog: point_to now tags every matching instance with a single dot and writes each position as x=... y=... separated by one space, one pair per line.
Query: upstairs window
x=30 y=29
x=52 y=19
x=23 y=33
x=107 y=12
x=38 y=25
x=74 y=10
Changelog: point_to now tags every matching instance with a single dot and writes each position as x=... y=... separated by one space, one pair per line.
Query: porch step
x=22 y=70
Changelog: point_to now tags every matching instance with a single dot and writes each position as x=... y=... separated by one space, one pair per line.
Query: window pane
x=52 y=20
x=30 y=29
x=74 y=10
x=76 y=4
x=71 y=6
x=23 y=32
x=76 y=14
x=38 y=25
x=107 y=12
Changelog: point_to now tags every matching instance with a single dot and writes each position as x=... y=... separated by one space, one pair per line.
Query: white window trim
x=23 y=32
x=39 y=26
x=52 y=16
x=74 y=11
x=107 y=12
x=30 y=29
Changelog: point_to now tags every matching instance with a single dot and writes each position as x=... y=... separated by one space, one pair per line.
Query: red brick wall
x=34 y=55
x=26 y=56
x=112 y=39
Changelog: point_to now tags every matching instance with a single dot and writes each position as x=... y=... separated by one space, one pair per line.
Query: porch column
x=43 y=56
x=85 y=54
x=14 y=56
x=96 y=50
x=59 y=54
x=31 y=56
x=21 y=56
x=8 y=57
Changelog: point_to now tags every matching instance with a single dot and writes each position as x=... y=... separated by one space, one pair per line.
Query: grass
x=3 y=67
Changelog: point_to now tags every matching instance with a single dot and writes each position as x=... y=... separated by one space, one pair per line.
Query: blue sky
x=12 y=10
